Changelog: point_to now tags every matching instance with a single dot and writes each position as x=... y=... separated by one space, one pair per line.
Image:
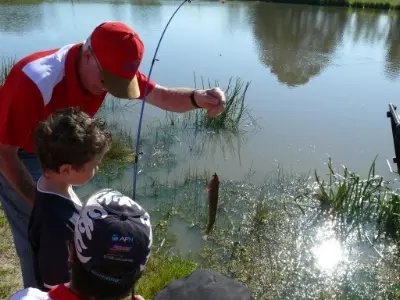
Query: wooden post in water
x=395 y=124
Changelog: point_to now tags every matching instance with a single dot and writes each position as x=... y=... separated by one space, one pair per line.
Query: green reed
x=5 y=66
x=357 y=202
x=234 y=114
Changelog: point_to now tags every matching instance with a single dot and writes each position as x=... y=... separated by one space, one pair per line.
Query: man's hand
x=15 y=172
x=213 y=100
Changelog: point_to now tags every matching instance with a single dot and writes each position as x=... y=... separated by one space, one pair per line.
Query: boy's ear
x=65 y=170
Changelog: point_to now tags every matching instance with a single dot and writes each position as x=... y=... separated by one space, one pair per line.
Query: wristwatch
x=193 y=100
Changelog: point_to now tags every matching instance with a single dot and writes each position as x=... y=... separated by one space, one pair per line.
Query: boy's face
x=81 y=176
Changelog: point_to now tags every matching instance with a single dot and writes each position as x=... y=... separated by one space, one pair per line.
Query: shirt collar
x=61 y=292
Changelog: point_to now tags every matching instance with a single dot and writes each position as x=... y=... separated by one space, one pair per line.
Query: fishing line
x=136 y=158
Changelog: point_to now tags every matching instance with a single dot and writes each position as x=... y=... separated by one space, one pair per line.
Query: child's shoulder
x=55 y=209
x=53 y=199
x=30 y=293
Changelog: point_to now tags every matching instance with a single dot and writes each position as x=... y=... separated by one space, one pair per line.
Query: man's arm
x=180 y=100
x=171 y=99
x=18 y=176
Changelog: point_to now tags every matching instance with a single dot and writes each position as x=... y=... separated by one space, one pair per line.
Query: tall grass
x=359 y=202
x=232 y=117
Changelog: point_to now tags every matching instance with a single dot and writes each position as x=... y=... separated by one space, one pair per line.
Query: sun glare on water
x=327 y=250
x=328 y=254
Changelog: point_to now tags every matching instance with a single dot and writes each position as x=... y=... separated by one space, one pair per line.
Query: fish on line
x=213 y=189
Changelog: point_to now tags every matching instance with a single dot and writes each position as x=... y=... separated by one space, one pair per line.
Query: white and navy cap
x=113 y=237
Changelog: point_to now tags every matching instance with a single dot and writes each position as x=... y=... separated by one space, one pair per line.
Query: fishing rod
x=136 y=158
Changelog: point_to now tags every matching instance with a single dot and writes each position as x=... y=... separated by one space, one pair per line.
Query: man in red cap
x=73 y=75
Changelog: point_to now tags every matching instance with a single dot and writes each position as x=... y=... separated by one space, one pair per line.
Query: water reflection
x=118 y=9
x=227 y=143
x=392 y=66
x=146 y=13
x=297 y=42
x=21 y=18
x=370 y=27
x=236 y=16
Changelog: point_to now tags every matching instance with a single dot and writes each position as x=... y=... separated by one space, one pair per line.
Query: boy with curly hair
x=70 y=146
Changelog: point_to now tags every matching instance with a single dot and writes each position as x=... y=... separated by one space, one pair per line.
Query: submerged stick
x=213 y=188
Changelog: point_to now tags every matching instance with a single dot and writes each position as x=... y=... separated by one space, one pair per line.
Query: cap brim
x=120 y=87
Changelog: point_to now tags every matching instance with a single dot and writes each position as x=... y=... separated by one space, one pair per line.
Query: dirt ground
x=10 y=273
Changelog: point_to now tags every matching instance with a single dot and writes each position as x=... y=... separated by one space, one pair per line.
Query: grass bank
x=10 y=275
x=162 y=269
x=361 y=4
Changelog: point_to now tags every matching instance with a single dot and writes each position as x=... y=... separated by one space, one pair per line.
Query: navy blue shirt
x=51 y=230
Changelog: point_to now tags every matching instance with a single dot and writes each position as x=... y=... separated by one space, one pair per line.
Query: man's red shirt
x=37 y=86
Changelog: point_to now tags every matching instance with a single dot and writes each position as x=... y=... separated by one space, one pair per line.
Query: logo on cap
x=125 y=239
x=131 y=66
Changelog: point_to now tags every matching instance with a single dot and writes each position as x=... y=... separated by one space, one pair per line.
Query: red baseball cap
x=119 y=51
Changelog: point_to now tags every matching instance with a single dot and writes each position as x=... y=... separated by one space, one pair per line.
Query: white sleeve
x=30 y=294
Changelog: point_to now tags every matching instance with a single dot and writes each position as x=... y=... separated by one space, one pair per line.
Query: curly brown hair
x=70 y=136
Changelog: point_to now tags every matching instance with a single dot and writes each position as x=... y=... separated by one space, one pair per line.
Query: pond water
x=321 y=81
x=321 y=78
